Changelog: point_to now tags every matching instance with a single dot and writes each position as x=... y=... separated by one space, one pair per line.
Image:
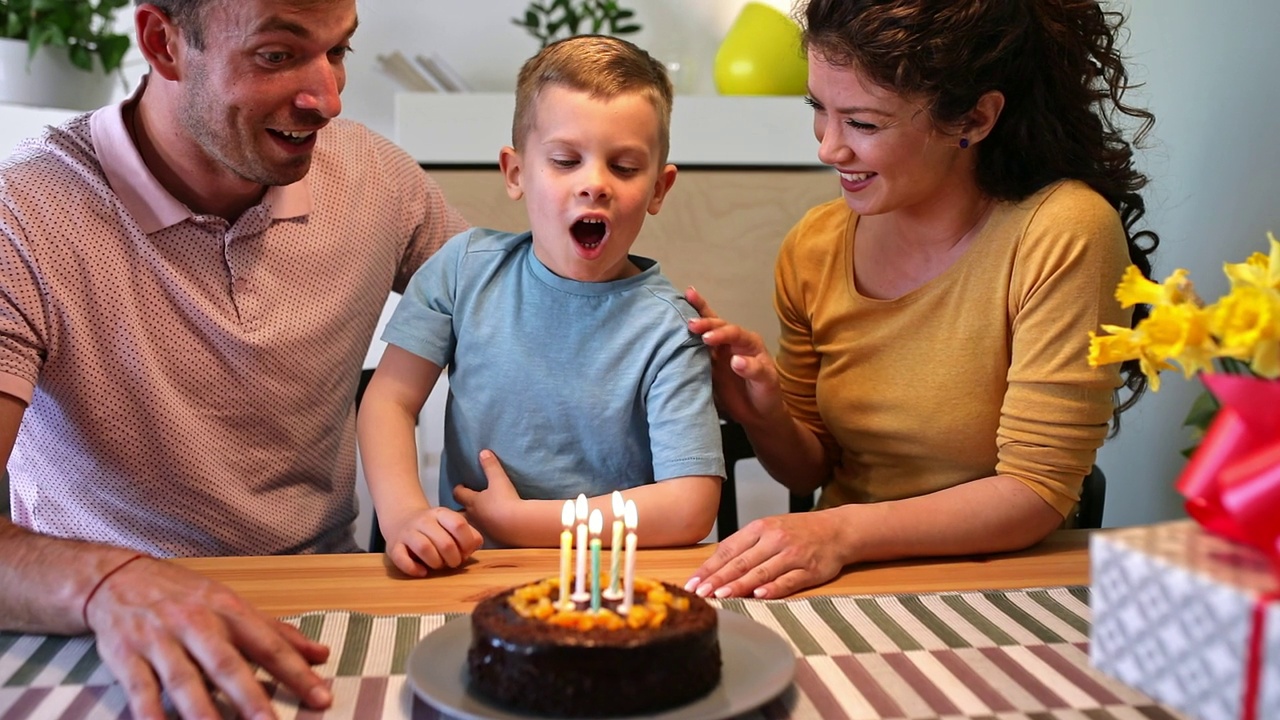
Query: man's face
x=268 y=77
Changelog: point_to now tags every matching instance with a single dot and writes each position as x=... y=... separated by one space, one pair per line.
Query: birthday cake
x=533 y=654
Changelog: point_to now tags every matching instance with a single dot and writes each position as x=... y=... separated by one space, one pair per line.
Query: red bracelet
x=84 y=611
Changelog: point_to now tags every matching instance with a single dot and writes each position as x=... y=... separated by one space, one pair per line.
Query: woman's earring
x=964 y=143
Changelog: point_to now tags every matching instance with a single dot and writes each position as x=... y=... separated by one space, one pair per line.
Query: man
x=188 y=285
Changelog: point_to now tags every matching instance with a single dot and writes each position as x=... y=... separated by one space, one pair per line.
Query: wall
x=1210 y=77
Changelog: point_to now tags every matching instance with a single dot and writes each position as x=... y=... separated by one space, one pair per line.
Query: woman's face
x=888 y=152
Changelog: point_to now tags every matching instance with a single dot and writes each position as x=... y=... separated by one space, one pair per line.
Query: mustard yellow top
x=980 y=371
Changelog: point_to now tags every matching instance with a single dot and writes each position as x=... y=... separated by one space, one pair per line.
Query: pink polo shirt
x=191 y=382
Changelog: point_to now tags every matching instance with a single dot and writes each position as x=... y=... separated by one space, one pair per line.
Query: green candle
x=596 y=524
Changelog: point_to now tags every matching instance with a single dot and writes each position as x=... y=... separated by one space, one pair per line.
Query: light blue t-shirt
x=578 y=387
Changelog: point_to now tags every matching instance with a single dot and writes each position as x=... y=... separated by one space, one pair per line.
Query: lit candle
x=596 y=524
x=580 y=586
x=566 y=552
x=629 y=583
x=615 y=549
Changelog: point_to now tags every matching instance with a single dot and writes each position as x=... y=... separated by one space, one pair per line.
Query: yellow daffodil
x=1179 y=333
x=1135 y=289
x=1243 y=327
x=1258 y=271
x=1247 y=325
x=1121 y=345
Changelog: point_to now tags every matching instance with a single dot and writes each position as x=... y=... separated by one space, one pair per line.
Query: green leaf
x=111 y=50
x=1202 y=411
x=81 y=57
x=14 y=27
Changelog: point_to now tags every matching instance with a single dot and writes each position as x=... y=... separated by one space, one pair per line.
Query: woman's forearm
x=993 y=514
x=790 y=453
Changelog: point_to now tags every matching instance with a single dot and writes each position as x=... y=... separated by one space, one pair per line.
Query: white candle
x=566 y=552
x=629 y=583
x=580 y=586
x=615 y=549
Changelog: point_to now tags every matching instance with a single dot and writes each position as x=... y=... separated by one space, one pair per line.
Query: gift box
x=1189 y=618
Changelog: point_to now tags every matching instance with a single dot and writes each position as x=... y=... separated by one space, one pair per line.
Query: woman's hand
x=775 y=556
x=743 y=374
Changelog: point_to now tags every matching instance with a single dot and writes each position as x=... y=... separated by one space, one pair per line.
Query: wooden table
x=286 y=585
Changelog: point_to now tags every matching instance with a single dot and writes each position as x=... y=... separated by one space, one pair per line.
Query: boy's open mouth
x=589 y=232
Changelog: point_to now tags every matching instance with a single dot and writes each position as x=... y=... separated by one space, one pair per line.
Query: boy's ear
x=509 y=164
x=666 y=178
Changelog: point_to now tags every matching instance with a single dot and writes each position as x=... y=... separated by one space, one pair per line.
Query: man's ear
x=159 y=40
x=509 y=164
x=983 y=116
x=666 y=178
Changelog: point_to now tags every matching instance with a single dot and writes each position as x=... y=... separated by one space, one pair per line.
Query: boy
x=570 y=359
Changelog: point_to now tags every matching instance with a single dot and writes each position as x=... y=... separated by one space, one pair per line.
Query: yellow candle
x=566 y=552
x=596 y=524
x=629 y=582
x=615 y=549
x=580 y=585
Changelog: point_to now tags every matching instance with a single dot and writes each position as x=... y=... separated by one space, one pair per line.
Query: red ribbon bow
x=1232 y=483
x=1232 y=486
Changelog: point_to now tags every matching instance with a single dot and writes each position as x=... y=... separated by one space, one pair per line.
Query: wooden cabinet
x=719 y=229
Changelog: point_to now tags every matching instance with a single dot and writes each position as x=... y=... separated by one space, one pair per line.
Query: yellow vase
x=760 y=55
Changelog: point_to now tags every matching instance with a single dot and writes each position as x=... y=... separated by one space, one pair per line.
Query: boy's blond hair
x=601 y=66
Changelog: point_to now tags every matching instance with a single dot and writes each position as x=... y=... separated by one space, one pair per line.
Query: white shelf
x=715 y=130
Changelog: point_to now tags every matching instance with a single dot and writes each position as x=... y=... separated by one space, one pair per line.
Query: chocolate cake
x=531 y=656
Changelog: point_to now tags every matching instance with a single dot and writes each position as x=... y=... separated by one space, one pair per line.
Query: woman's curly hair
x=1062 y=76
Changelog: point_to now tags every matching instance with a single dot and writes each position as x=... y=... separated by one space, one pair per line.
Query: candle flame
x=632 y=516
x=596 y=523
x=566 y=515
x=581 y=506
x=619 y=507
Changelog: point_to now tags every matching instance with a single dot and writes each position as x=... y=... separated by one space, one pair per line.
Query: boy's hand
x=434 y=538
x=488 y=508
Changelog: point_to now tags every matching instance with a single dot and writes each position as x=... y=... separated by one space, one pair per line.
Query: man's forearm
x=44 y=581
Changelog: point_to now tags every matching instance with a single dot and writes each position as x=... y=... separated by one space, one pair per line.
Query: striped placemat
x=1009 y=654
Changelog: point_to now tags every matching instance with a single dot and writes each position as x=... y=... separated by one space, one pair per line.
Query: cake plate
x=758 y=666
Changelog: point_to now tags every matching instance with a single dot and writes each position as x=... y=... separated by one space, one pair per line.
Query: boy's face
x=589 y=172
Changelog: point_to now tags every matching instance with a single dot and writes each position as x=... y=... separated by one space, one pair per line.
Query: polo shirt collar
x=151 y=205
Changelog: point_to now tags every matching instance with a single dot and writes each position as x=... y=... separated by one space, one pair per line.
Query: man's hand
x=161 y=627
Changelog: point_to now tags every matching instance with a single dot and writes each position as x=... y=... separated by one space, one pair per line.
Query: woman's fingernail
x=692 y=584
x=760 y=593
x=703 y=590
x=723 y=592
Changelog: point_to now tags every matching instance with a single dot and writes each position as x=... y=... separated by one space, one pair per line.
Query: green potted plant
x=75 y=39
x=557 y=19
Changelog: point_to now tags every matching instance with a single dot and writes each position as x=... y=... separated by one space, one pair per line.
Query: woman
x=931 y=377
